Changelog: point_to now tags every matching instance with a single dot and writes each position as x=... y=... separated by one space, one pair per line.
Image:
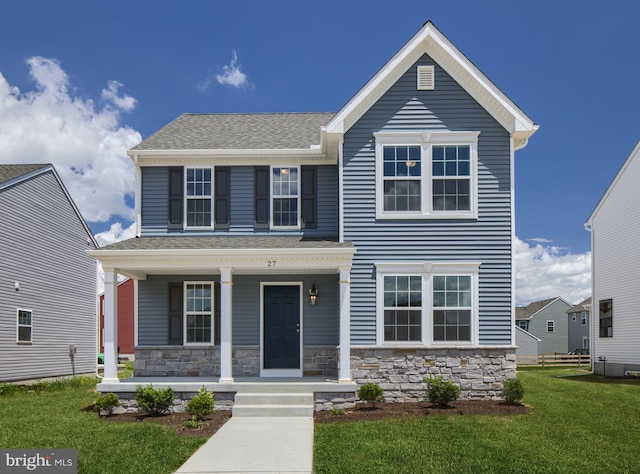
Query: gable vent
x=426 y=78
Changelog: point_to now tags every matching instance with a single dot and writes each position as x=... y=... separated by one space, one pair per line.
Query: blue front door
x=281 y=327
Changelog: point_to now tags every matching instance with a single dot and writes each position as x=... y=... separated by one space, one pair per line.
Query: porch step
x=273 y=404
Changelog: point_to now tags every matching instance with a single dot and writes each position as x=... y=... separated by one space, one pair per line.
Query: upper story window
x=24 y=325
x=285 y=196
x=198 y=198
x=426 y=174
x=606 y=318
x=523 y=324
x=551 y=325
x=583 y=318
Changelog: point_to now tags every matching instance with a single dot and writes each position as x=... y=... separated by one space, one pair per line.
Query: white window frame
x=187 y=198
x=186 y=313
x=427 y=270
x=552 y=325
x=18 y=325
x=520 y=325
x=273 y=196
x=426 y=139
x=583 y=318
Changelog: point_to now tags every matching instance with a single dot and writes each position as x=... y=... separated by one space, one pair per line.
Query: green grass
x=578 y=424
x=56 y=418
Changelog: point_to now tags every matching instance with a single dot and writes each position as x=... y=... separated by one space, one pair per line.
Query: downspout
x=592 y=327
x=513 y=238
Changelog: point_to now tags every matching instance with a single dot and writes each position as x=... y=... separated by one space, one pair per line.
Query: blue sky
x=114 y=72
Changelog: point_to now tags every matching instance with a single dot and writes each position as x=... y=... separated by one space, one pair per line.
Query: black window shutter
x=175 y=314
x=308 y=192
x=221 y=197
x=176 y=200
x=261 y=193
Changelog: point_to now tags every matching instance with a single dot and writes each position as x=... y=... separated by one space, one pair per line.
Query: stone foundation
x=222 y=401
x=183 y=361
x=401 y=372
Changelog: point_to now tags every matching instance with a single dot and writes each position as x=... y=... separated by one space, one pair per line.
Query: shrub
x=440 y=392
x=200 y=405
x=154 y=401
x=370 y=392
x=337 y=411
x=512 y=391
x=107 y=403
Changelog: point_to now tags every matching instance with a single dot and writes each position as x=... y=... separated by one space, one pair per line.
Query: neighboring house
x=527 y=346
x=369 y=245
x=547 y=320
x=126 y=326
x=48 y=297
x=615 y=259
x=578 y=320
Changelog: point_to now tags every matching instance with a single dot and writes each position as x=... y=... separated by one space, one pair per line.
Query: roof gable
x=429 y=40
x=529 y=311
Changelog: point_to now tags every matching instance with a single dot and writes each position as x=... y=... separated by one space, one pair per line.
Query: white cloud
x=115 y=234
x=546 y=271
x=85 y=143
x=232 y=75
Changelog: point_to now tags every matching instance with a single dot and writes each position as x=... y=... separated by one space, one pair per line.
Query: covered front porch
x=255 y=268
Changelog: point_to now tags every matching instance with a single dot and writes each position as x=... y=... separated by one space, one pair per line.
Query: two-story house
x=578 y=331
x=547 y=321
x=369 y=245
x=48 y=297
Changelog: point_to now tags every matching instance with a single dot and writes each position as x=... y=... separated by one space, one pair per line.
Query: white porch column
x=110 y=326
x=344 y=375
x=226 y=355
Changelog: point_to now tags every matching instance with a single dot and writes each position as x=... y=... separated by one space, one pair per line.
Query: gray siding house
x=48 y=301
x=369 y=245
x=547 y=320
x=578 y=321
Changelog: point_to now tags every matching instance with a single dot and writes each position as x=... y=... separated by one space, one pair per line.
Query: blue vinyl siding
x=155 y=199
x=487 y=239
x=320 y=322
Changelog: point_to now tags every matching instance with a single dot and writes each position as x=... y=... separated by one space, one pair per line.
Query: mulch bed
x=366 y=412
x=362 y=412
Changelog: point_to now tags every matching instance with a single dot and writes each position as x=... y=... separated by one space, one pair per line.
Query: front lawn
x=58 y=419
x=578 y=424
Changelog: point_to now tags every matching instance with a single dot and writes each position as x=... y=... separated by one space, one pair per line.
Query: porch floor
x=239 y=384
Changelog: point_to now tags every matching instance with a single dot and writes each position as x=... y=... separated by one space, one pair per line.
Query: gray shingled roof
x=233 y=243
x=9 y=172
x=578 y=308
x=524 y=312
x=238 y=132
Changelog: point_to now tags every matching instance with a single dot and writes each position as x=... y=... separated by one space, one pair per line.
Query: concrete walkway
x=256 y=445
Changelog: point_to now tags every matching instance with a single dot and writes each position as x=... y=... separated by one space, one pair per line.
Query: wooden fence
x=554 y=360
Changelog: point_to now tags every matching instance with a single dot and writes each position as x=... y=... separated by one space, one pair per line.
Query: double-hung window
x=198 y=198
x=24 y=325
x=551 y=326
x=427 y=303
x=606 y=318
x=285 y=196
x=583 y=318
x=426 y=174
x=198 y=312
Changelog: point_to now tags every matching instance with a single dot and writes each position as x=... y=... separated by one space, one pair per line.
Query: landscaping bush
x=440 y=392
x=107 y=402
x=370 y=392
x=512 y=391
x=154 y=401
x=200 y=405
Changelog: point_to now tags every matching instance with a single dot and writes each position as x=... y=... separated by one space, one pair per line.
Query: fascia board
x=177 y=253
x=625 y=165
x=431 y=41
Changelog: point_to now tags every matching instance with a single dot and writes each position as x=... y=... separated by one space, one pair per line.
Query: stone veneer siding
x=401 y=372
x=185 y=361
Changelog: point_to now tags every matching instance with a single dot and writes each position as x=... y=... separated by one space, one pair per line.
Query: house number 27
x=271 y=263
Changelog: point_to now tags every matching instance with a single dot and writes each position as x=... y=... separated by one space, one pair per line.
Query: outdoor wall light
x=313 y=295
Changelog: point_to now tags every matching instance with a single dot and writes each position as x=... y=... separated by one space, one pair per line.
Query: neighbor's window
x=24 y=325
x=402 y=178
x=198 y=313
x=551 y=326
x=452 y=308
x=402 y=308
x=583 y=318
x=606 y=318
x=198 y=197
x=523 y=324
x=285 y=191
x=451 y=177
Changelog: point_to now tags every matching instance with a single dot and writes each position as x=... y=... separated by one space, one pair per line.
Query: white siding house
x=615 y=227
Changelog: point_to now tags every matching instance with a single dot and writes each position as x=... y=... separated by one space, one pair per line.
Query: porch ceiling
x=140 y=257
